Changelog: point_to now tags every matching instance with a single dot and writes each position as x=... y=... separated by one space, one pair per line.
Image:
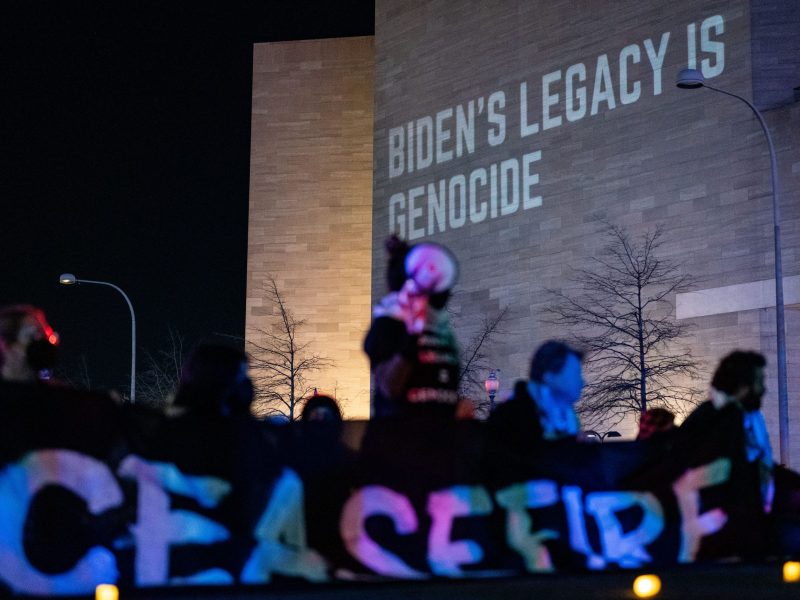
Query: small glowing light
x=646 y=586
x=791 y=571
x=53 y=339
x=106 y=591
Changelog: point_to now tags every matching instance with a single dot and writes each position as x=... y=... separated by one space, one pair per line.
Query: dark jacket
x=514 y=425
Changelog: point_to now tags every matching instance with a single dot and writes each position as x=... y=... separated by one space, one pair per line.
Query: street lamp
x=70 y=279
x=492 y=384
x=591 y=433
x=692 y=79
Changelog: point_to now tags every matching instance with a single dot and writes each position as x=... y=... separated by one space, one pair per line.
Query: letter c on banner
x=19 y=483
x=370 y=501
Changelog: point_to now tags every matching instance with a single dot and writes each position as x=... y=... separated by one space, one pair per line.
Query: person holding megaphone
x=414 y=357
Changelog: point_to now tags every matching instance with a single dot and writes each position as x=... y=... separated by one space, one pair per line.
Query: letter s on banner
x=19 y=483
x=374 y=500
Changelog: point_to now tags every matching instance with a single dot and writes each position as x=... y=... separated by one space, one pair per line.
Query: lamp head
x=492 y=383
x=690 y=79
x=67 y=279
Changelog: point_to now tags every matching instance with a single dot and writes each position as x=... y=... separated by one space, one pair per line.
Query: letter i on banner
x=572 y=497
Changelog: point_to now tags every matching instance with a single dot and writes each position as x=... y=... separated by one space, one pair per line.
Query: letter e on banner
x=157 y=527
x=446 y=556
x=694 y=526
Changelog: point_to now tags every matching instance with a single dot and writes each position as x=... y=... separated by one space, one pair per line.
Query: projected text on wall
x=568 y=95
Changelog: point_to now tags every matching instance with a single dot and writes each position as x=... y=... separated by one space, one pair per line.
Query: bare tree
x=157 y=382
x=280 y=363
x=475 y=361
x=620 y=310
x=80 y=380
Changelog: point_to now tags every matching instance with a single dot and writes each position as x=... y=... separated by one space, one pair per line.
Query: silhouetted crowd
x=415 y=366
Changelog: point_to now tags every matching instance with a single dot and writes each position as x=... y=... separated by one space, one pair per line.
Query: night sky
x=127 y=141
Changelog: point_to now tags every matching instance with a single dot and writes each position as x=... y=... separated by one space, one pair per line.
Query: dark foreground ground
x=757 y=582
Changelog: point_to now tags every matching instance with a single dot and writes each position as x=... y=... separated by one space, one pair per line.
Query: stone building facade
x=310 y=203
x=512 y=130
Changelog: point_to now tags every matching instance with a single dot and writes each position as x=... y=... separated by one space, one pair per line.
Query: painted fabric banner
x=92 y=493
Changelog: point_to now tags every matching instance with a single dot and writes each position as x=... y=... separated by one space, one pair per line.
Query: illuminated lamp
x=791 y=571
x=646 y=586
x=492 y=384
x=106 y=591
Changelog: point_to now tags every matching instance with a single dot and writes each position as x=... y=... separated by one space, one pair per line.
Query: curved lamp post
x=689 y=79
x=70 y=279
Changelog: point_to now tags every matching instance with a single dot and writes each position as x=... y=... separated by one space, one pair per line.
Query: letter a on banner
x=281 y=537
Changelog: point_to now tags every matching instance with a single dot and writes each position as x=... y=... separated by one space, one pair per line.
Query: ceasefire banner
x=92 y=493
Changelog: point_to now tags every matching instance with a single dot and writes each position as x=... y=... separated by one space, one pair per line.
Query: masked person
x=411 y=346
x=28 y=344
x=215 y=382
